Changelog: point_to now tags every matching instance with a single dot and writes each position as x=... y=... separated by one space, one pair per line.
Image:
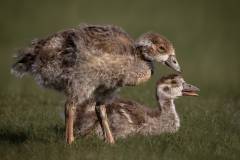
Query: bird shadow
x=11 y=134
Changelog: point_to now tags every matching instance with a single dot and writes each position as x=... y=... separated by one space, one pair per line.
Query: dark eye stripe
x=161 y=47
x=174 y=82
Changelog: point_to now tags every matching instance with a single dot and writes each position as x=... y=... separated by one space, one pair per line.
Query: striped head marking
x=156 y=47
x=173 y=86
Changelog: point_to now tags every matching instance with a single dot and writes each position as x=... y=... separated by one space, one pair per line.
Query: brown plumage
x=92 y=61
x=126 y=117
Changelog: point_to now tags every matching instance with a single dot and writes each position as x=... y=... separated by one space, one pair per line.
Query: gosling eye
x=174 y=82
x=161 y=49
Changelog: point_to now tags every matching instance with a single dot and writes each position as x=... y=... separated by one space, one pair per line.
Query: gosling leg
x=69 y=120
x=101 y=109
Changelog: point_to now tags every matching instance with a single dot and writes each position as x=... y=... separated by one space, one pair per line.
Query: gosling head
x=173 y=86
x=156 y=47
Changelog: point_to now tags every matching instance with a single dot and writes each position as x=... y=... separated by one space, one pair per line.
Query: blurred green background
x=205 y=34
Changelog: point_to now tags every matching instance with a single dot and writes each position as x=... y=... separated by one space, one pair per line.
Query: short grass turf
x=209 y=129
x=205 y=35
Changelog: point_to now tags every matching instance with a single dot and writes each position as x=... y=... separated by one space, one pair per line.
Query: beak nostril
x=174 y=62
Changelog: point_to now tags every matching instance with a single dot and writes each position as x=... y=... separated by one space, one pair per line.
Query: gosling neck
x=165 y=103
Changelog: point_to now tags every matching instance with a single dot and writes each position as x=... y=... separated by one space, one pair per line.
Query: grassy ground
x=205 y=35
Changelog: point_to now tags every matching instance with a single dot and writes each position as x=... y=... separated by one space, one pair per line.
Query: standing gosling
x=93 y=61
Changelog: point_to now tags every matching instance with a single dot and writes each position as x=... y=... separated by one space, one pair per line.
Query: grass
x=209 y=129
x=205 y=36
